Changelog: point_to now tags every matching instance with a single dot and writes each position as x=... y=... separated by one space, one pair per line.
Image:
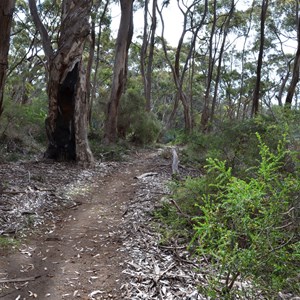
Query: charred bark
x=62 y=136
x=66 y=124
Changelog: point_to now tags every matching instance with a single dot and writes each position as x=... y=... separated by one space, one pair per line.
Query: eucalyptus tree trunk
x=97 y=60
x=211 y=62
x=179 y=73
x=241 y=107
x=256 y=93
x=147 y=56
x=6 y=15
x=123 y=42
x=296 y=69
x=225 y=29
x=66 y=124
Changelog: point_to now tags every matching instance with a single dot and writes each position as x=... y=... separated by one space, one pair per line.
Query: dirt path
x=81 y=256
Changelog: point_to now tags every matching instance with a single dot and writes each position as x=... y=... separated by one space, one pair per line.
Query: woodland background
x=226 y=94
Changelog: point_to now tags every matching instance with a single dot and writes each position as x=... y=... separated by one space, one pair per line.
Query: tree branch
x=42 y=30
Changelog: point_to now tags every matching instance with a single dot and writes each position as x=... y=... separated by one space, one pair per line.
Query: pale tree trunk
x=6 y=15
x=89 y=71
x=97 y=59
x=177 y=72
x=147 y=56
x=283 y=83
x=296 y=69
x=144 y=49
x=243 y=62
x=66 y=124
x=211 y=62
x=120 y=70
x=218 y=76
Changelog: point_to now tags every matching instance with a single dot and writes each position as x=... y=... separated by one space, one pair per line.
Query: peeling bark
x=120 y=69
x=6 y=15
x=66 y=124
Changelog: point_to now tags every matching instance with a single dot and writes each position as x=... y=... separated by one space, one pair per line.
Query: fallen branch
x=13 y=192
x=19 y=279
x=189 y=219
x=146 y=175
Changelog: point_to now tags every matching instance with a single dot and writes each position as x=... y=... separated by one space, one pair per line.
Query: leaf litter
x=32 y=194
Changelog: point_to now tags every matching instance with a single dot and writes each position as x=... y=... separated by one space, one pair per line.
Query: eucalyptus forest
x=153 y=148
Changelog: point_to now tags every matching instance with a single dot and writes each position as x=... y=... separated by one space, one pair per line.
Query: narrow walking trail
x=80 y=256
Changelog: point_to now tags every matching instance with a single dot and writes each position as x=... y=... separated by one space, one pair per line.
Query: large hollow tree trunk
x=66 y=124
x=120 y=69
x=6 y=14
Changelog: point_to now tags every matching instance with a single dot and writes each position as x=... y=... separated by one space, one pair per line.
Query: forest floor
x=88 y=232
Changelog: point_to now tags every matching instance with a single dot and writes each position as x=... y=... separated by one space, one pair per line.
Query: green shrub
x=145 y=130
x=113 y=152
x=22 y=129
x=236 y=141
x=134 y=122
x=8 y=243
x=249 y=229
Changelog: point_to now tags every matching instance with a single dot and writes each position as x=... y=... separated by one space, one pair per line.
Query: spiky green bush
x=249 y=229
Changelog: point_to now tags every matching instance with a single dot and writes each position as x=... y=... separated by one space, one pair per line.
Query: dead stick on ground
x=19 y=279
x=181 y=212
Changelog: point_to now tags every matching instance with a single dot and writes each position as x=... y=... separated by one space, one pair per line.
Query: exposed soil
x=89 y=233
x=79 y=253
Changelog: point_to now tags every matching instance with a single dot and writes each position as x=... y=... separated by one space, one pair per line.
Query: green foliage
x=22 y=129
x=236 y=141
x=134 y=122
x=113 y=152
x=7 y=243
x=248 y=228
x=146 y=130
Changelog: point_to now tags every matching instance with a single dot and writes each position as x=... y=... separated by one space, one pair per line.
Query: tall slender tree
x=211 y=63
x=66 y=124
x=225 y=30
x=123 y=42
x=147 y=51
x=179 y=72
x=256 y=93
x=6 y=15
x=96 y=45
x=296 y=69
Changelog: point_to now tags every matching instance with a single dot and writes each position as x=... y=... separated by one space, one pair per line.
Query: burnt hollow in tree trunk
x=62 y=144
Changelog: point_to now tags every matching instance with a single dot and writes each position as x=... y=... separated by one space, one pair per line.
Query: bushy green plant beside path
x=246 y=228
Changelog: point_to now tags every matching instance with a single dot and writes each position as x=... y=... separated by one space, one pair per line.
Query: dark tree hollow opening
x=62 y=144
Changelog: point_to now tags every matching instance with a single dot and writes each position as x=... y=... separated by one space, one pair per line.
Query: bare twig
x=19 y=279
x=189 y=219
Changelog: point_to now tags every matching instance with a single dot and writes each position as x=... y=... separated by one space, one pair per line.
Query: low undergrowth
x=246 y=228
x=8 y=243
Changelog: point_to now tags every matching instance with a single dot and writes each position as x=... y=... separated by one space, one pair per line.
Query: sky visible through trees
x=200 y=69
